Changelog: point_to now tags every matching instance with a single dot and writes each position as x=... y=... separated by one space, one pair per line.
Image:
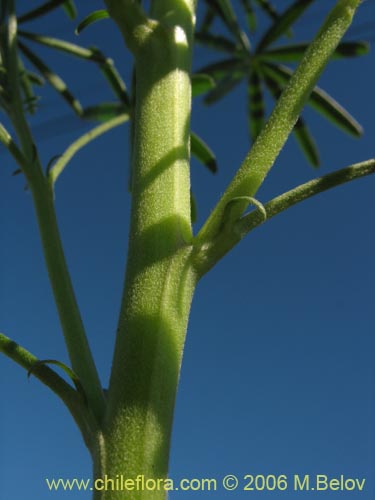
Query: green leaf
x=70 y=9
x=223 y=87
x=104 y=111
x=283 y=23
x=255 y=105
x=94 y=17
x=295 y=52
x=30 y=99
x=52 y=78
x=201 y=83
x=12 y=147
x=250 y=14
x=207 y=20
x=268 y=8
x=351 y=49
x=73 y=377
x=306 y=142
x=203 y=153
x=285 y=53
x=42 y=10
x=105 y=64
x=216 y=42
x=320 y=101
x=193 y=208
x=114 y=79
x=35 y=78
x=225 y=10
x=63 y=46
x=331 y=109
x=220 y=69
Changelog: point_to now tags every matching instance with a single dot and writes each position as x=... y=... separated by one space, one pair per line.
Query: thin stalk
x=12 y=147
x=303 y=192
x=227 y=240
x=81 y=142
x=71 y=398
x=283 y=118
x=70 y=318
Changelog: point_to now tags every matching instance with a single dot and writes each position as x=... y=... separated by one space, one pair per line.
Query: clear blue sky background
x=278 y=372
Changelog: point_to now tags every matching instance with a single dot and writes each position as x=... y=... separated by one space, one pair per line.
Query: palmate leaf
x=249 y=14
x=225 y=11
x=47 y=7
x=306 y=142
x=193 y=208
x=268 y=8
x=223 y=87
x=256 y=107
x=207 y=20
x=301 y=132
x=221 y=68
x=52 y=78
x=105 y=64
x=115 y=81
x=216 y=42
x=92 y=18
x=295 y=52
x=282 y=24
x=104 y=111
x=62 y=45
x=201 y=83
x=26 y=85
x=35 y=79
x=70 y=9
x=320 y=101
x=73 y=377
x=203 y=153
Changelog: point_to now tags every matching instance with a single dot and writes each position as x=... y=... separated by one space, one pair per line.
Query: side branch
x=28 y=159
x=211 y=254
x=82 y=141
x=302 y=192
x=12 y=147
x=72 y=399
x=272 y=138
x=132 y=21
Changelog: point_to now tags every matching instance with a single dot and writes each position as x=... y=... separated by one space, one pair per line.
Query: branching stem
x=283 y=118
x=226 y=240
x=70 y=318
x=72 y=399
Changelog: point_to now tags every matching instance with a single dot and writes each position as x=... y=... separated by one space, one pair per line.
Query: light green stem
x=81 y=142
x=160 y=280
x=233 y=234
x=74 y=333
x=283 y=118
x=51 y=379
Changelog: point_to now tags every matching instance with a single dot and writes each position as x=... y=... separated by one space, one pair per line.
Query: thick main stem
x=160 y=279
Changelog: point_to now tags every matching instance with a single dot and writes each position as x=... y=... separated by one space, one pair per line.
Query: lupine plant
x=127 y=427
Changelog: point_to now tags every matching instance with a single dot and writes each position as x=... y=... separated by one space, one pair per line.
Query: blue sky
x=278 y=371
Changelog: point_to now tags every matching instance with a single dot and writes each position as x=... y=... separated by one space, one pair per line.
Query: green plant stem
x=160 y=279
x=283 y=118
x=12 y=147
x=132 y=22
x=70 y=318
x=73 y=401
x=228 y=239
x=81 y=142
x=74 y=333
